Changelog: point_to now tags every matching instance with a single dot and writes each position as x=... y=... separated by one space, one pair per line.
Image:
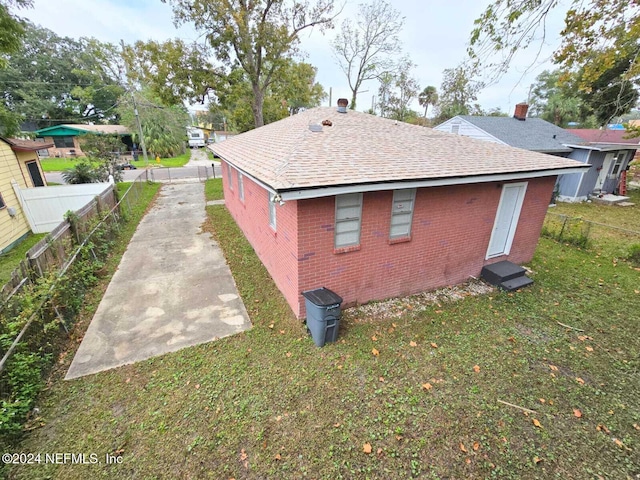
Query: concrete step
x=499 y=272
x=516 y=283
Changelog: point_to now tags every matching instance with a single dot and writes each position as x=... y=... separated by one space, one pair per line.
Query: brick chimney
x=521 y=111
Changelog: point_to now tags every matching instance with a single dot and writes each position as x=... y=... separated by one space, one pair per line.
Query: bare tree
x=365 y=48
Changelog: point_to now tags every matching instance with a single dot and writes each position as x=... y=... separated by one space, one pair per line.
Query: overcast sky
x=434 y=36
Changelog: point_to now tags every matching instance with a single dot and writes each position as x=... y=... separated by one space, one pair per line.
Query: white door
x=606 y=166
x=504 y=228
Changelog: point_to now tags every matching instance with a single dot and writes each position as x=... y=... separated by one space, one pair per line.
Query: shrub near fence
x=34 y=318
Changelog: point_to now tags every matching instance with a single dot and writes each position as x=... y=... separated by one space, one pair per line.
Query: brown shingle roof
x=26 y=145
x=595 y=135
x=361 y=148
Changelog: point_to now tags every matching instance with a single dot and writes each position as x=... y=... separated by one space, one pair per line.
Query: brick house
x=372 y=208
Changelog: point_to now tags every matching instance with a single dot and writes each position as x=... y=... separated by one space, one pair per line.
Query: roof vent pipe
x=342 y=105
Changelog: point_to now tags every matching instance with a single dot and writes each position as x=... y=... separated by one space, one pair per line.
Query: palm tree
x=81 y=172
x=428 y=96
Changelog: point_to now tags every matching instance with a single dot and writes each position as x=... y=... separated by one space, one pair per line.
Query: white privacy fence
x=45 y=207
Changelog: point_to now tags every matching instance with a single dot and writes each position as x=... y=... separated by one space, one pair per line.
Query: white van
x=196 y=137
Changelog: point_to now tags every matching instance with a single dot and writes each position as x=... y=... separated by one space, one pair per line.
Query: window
x=402 y=212
x=455 y=128
x=348 y=218
x=240 y=187
x=195 y=135
x=230 y=176
x=272 y=210
x=617 y=163
x=63 y=142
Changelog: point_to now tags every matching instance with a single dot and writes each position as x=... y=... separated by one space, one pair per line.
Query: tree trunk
x=256 y=106
x=352 y=106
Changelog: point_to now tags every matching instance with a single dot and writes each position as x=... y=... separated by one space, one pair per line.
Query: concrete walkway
x=172 y=289
x=199 y=158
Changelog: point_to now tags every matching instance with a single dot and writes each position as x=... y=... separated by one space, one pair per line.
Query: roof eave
x=607 y=147
x=329 y=191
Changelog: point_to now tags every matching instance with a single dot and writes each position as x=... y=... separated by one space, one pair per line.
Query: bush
x=634 y=253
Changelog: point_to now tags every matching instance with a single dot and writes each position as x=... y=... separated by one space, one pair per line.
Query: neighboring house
x=373 y=208
x=19 y=165
x=65 y=137
x=221 y=135
x=606 y=160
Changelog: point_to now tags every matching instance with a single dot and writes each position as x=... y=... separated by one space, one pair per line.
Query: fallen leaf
x=427 y=386
x=366 y=448
x=127 y=380
x=553 y=367
x=394 y=325
x=277 y=457
x=434 y=344
x=476 y=446
x=288 y=354
x=476 y=368
x=468 y=461
x=381 y=379
x=542 y=400
x=398 y=437
x=243 y=454
x=537 y=423
x=413 y=344
x=462 y=447
x=537 y=460
x=636 y=426
x=197 y=386
x=375 y=352
x=271 y=325
x=374 y=338
x=379 y=452
x=438 y=311
x=589 y=349
x=582 y=338
x=580 y=381
x=336 y=425
x=618 y=442
x=282 y=332
x=602 y=428
x=577 y=413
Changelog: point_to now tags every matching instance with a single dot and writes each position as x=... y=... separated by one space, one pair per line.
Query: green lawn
x=10 y=261
x=60 y=164
x=412 y=391
x=213 y=189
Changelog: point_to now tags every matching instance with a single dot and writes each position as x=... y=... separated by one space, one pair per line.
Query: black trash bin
x=323 y=314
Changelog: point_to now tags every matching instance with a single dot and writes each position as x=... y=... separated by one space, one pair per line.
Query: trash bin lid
x=322 y=297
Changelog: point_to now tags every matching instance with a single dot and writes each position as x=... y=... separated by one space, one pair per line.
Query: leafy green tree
x=163 y=127
x=296 y=89
x=428 y=96
x=175 y=71
x=405 y=91
x=259 y=36
x=104 y=151
x=12 y=30
x=457 y=94
x=51 y=79
x=601 y=41
x=365 y=48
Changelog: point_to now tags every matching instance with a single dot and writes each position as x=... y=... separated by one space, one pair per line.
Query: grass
x=267 y=403
x=10 y=260
x=213 y=189
x=58 y=164
x=600 y=238
x=61 y=164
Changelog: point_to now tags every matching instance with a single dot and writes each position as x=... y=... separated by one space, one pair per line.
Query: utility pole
x=135 y=110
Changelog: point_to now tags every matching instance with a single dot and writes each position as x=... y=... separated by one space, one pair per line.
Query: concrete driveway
x=173 y=289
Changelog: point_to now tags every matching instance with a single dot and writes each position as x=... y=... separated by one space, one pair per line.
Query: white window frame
x=230 y=176
x=617 y=164
x=402 y=207
x=240 y=186
x=353 y=202
x=272 y=211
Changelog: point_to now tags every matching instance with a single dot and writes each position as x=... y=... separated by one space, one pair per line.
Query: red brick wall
x=449 y=239
x=276 y=249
